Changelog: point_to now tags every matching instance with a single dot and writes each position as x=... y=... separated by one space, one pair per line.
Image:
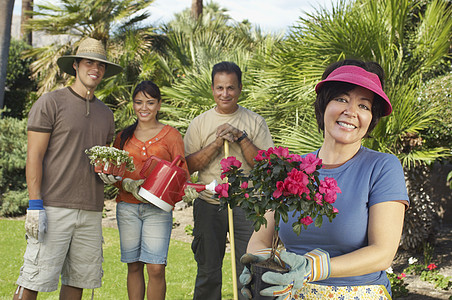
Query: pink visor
x=358 y=76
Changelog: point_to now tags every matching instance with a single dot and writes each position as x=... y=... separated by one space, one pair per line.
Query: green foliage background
x=411 y=39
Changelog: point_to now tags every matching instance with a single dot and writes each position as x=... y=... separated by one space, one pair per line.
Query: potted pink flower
x=110 y=160
x=283 y=183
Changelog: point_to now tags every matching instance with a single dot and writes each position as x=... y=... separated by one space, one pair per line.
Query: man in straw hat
x=64 y=219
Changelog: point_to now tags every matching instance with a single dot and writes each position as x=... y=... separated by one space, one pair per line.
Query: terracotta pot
x=257 y=284
x=98 y=167
x=119 y=170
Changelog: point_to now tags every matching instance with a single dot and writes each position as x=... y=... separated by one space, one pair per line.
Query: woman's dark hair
x=150 y=90
x=333 y=89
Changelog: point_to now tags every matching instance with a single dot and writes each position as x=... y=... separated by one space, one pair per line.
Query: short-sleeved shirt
x=166 y=145
x=369 y=178
x=68 y=179
x=202 y=132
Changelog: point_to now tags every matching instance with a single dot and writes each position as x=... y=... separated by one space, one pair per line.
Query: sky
x=270 y=15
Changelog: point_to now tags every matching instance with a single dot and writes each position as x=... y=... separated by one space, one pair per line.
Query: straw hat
x=93 y=49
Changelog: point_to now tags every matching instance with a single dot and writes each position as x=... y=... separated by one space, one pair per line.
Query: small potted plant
x=110 y=160
x=283 y=183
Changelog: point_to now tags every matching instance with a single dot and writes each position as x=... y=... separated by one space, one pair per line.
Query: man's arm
x=200 y=159
x=249 y=150
x=232 y=134
x=37 y=147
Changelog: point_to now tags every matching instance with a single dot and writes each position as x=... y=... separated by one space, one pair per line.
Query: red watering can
x=165 y=185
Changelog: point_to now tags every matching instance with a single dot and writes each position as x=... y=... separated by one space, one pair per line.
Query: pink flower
x=290 y=187
x=403 y=275
x=319 y=198
x=432 y=266
x=306 y=220
x=226 y=163
x=244 y=185
x=298 y=176
x=222 y=190
x=296 y=182
x=335 y=210
x=309 y=163
x=281 y=152
x=295 y=157
x=279 y=189
x=247 y=195
x=328 y=187
x=261 y=155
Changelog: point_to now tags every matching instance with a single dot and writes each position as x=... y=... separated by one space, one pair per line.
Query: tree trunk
x=27 y=7
x=6 y=16
x=196 y=8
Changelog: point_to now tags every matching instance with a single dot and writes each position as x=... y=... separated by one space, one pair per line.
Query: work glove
x=36 y=220
x=133 y=186
x=108 y=178
x=312 y=266
x=246 y=260
x=190 y=194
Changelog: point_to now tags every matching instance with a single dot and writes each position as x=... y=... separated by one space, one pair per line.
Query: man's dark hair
x=229 y=68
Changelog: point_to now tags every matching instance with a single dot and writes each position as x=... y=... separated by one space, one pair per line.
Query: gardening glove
x=36 y=220
x=133 y=186
x=108 y=178
x=312 y=266
x=246 y=260
x=190 y=194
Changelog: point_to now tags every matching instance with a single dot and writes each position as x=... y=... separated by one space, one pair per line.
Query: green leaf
x=318 y=221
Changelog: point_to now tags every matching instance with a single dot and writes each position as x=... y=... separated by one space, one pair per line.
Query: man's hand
x=133 y=186
x=229 y=132
x=36 y=220
x=108 y=178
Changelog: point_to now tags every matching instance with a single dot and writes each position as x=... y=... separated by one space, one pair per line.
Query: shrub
x=438 y=93
x=19 y=84
x=13 y=152
x=422 y=219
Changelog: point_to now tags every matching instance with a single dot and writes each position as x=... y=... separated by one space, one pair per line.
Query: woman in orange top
x=145 y=229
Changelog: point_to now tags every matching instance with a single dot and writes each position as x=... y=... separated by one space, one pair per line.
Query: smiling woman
x=145 y=229
x=348 y=116
x=361 y=242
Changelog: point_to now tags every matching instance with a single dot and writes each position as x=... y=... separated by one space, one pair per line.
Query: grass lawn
x=180 y=272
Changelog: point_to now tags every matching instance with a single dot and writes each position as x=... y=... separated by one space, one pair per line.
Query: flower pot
x=98 y=167
x=257 y=270
x=119 y=170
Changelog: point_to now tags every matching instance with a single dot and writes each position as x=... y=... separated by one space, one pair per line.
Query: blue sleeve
x=388 y=181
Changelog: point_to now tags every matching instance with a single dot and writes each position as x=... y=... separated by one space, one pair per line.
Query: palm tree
x=27 y=8
x=76 y=19
x=410 y=39
x=6 y=15
x=196 y=8
x=192 y=47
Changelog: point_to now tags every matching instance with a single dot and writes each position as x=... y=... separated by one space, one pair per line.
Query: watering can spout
x=200 y=187
x=165 y=184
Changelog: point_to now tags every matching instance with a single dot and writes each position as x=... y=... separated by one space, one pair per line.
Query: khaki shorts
x=72 y=247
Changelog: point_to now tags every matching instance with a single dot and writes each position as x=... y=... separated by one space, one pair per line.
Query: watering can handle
x=177 y=161
x=147 y=163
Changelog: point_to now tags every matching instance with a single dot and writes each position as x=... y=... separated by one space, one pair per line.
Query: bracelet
x=244 y=135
